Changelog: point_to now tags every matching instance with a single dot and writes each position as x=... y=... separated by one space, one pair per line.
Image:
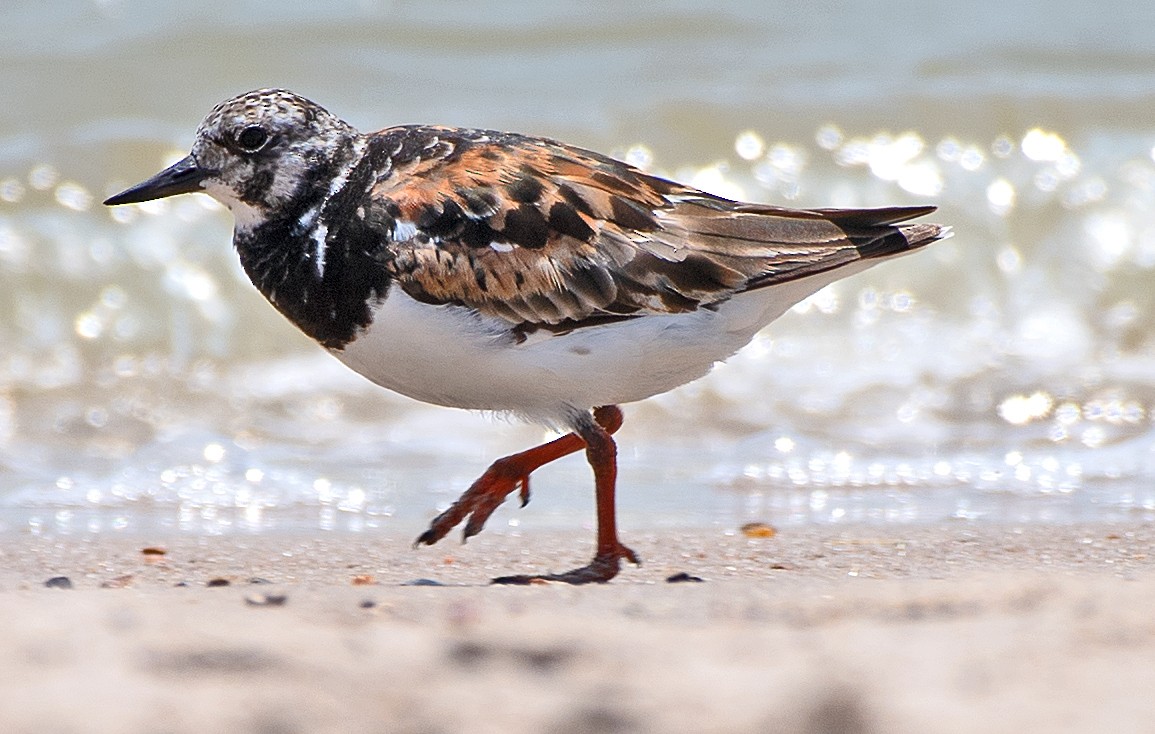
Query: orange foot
x=483 y=497
x=506 y=475
x=601 y=569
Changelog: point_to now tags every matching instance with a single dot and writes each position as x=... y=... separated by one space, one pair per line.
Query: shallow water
x=1002 y=375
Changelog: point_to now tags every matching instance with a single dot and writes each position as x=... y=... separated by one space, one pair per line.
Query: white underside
x=449 y=356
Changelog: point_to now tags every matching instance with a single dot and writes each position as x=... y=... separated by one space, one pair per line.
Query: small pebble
x=217 y=582
x=266 y=600
x=422 y=582
x=59 y=582
x=367 y=604
x=758 y=530
x=682 y=577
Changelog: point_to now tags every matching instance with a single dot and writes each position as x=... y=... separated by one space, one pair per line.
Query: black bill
x=182 y=177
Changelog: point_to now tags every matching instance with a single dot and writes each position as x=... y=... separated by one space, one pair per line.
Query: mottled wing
x=537 y=232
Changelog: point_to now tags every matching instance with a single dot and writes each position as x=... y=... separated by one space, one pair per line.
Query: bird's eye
x=252 y=138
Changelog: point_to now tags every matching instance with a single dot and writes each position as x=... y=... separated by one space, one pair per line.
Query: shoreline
x=952 y=628
x=811 y=553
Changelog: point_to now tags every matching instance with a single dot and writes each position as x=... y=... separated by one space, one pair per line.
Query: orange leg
x=512 y=472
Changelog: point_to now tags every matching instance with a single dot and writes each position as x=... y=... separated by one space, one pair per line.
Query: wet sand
x=957 y=628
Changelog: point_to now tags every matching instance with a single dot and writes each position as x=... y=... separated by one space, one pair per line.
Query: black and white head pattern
x=266 y=148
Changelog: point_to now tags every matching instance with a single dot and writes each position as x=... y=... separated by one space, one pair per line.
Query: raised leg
x=512 y=472
x=602 y=455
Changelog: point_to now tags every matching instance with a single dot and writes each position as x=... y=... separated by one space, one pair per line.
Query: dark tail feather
x=857 y=218
x=873 y=232
x=748 y=246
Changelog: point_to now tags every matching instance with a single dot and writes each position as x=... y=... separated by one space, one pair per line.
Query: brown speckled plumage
x=538 y=232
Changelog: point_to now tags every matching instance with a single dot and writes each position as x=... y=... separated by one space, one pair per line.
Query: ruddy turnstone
x=499 y=272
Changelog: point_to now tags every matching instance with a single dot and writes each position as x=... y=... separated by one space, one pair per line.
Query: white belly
x=448 y=355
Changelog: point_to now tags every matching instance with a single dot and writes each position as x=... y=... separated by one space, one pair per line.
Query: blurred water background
x=1005 y=375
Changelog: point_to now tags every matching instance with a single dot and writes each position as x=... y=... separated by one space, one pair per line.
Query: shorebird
x=500 y=272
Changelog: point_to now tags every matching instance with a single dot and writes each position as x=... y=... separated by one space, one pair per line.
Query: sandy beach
x=1006 y=375
x=956 y=628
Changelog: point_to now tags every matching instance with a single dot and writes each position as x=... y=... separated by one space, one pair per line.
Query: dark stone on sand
x=422 y=582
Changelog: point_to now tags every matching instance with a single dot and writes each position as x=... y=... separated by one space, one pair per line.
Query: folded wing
x=537 y=232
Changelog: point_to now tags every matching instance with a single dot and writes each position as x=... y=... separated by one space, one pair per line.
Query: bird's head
x=255 y=153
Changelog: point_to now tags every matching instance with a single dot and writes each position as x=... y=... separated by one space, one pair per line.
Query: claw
x=469 y=531
x=630 y=556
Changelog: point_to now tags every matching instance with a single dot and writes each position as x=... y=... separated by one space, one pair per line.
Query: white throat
x=246 y=216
